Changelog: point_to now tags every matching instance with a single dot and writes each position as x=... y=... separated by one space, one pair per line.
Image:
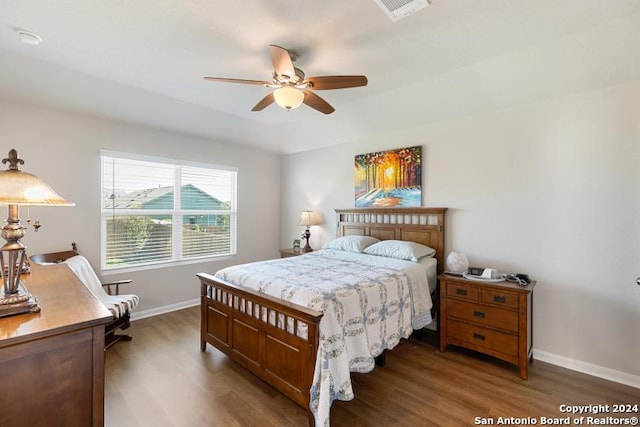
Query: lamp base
x=306 y=236
x=18 y=303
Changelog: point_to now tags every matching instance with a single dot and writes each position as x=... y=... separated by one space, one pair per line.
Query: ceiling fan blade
x=336 y=82
x=264 y=102
x=242 y=81
x=317 y=103
x=281 y=60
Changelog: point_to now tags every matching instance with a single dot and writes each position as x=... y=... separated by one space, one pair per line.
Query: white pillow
x=409 y=251
x=351 y=243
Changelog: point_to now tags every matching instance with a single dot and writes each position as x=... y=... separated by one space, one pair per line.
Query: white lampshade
x=308 y=218
x=457 y=263
x=288 y=97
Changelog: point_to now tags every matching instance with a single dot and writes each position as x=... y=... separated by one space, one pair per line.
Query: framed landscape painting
x=389 y=178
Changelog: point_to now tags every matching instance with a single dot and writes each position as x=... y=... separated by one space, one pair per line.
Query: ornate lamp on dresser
x=491 y=318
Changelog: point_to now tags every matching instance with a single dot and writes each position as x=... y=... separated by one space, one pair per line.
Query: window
x=158 y=211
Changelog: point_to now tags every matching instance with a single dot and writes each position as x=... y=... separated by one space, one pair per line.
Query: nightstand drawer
x=483 y=315
x=498 y=297
x=462 y=290
x=480 y=338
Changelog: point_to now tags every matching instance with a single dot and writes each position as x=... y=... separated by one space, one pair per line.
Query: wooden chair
x=120 y=306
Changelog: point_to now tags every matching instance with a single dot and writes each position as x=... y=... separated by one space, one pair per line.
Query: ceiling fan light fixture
x=288 y=97
x=290 y=87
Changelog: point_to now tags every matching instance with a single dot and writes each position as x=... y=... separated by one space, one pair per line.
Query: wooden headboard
x=421 y=225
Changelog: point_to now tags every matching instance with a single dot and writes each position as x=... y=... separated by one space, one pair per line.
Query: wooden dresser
x=492 y=318
x=52 y=362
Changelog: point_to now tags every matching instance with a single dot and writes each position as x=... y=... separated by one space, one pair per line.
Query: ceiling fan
x=292 y=89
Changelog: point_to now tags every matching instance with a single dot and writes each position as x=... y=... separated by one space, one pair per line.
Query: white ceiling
x=142 y=61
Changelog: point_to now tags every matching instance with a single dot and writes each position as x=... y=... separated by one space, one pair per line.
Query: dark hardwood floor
x=161 y=378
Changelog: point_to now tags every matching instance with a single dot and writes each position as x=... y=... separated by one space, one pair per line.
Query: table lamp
x=19 y=188
x=307 y=219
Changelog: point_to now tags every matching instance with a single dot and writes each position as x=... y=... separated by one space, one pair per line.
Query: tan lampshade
x=308 y=218
x=288 y=97
x=22 y=188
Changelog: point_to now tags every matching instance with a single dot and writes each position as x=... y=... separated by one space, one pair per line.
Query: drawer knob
x=460 y=291
x=478 y=336
x=479 y=314
x=499 y=298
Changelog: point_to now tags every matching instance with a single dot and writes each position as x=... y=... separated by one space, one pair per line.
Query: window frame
x=177 y=213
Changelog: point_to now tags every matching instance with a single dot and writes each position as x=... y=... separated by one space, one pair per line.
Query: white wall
x=64 y=150
x=550 y=189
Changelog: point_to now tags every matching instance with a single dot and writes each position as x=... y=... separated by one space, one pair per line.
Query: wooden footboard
x=274 y=339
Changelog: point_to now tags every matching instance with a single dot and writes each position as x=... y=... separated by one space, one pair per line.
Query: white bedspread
x=369 y=304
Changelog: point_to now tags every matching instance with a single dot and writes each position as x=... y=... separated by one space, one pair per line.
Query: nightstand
x=491 y=318
x=288 y=252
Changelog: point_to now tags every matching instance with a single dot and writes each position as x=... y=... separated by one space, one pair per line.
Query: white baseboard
x=588 y=368
x=137 y=315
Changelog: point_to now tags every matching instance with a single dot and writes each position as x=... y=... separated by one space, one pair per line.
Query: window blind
x=155 y=211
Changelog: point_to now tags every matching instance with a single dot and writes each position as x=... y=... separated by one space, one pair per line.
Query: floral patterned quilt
x=369 y=304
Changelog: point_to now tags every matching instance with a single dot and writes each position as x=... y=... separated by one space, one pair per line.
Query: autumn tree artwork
x=389 y=178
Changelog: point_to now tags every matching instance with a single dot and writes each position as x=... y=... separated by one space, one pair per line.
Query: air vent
x=398 y=9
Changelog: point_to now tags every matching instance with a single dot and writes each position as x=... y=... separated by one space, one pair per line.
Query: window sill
x=167 y=264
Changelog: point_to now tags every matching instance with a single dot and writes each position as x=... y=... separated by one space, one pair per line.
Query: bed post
x=203 y=316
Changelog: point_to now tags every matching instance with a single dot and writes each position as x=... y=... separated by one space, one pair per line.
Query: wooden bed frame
x=240 y=322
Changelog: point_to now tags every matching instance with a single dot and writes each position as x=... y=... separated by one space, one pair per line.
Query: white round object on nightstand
x=456 y=263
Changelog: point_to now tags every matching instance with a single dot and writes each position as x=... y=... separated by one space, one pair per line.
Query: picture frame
x=391 y=178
